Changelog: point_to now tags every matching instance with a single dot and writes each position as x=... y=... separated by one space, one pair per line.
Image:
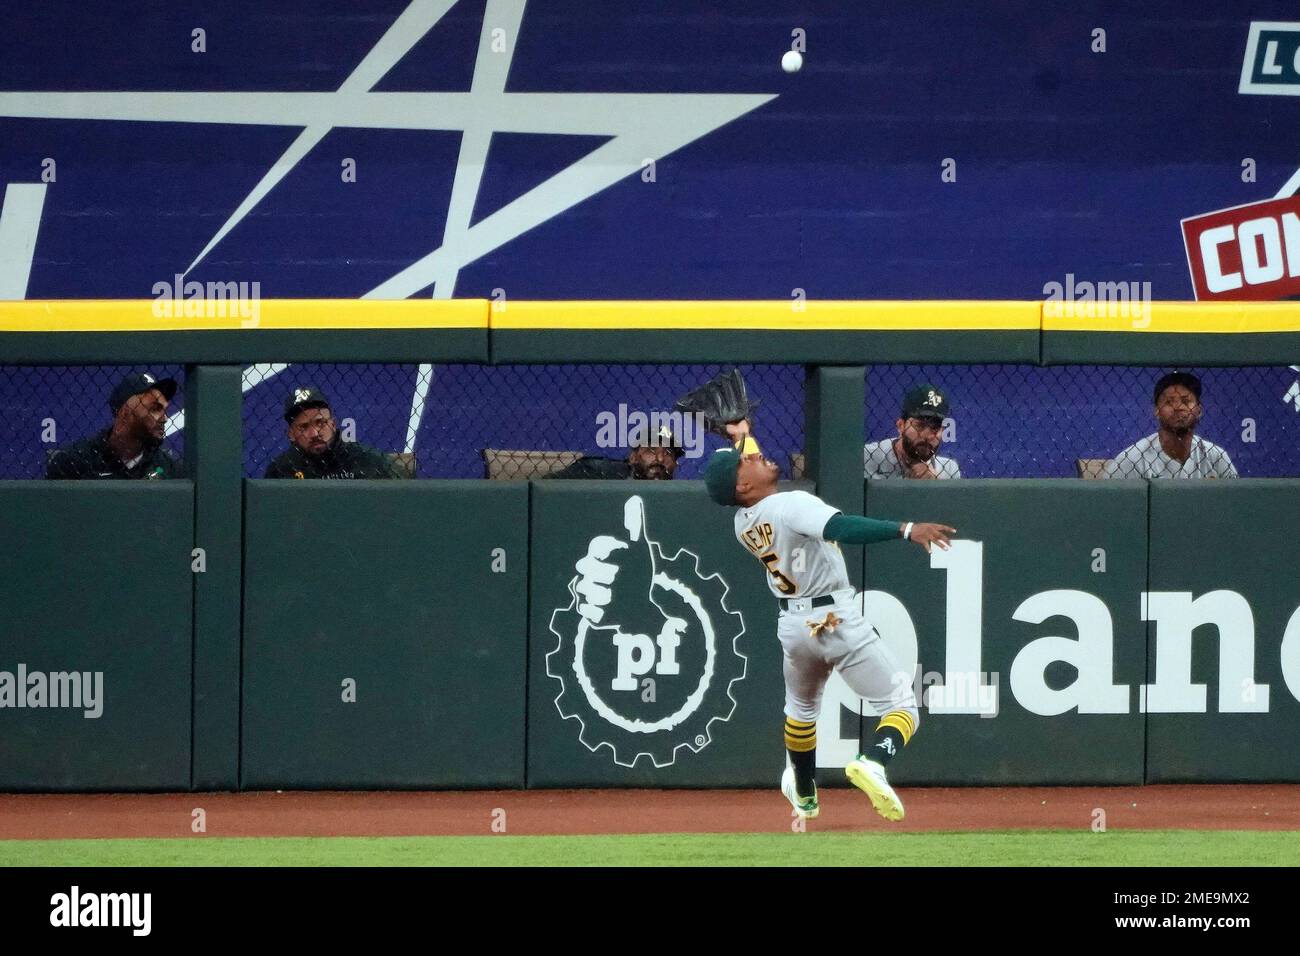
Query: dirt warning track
x=407 y=813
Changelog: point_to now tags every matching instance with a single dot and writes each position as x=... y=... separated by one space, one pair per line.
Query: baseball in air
x=792 y=62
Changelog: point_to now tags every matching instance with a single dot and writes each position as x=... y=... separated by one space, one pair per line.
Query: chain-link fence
x=57 y=422
x=1019 y=421
x=507 y=421
x=471 y=421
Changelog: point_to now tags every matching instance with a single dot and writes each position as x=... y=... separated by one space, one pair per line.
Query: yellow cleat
x=869 y=777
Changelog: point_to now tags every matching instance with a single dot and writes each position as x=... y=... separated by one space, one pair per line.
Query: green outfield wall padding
x=96 y=635
x=1038 y=599
x=1224 y=660
x=214 y=415
x=384 y=634
x=606 y=710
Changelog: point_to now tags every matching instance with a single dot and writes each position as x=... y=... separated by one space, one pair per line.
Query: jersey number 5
x=783 y=584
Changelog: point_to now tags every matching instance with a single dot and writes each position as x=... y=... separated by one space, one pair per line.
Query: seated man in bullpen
x=316 y=450
x=131 y=447
x=915 y=452
x=1175 y=450
x=652 y=458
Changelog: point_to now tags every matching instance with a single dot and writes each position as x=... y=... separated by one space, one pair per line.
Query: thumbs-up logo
x=646 y=636
x=647 y=649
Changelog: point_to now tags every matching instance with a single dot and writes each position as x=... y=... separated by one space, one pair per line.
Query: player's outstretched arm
x=855 y=529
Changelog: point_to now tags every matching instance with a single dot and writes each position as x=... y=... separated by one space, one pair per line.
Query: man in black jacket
x=654 y=458
x=130 y=448
x=316 y=448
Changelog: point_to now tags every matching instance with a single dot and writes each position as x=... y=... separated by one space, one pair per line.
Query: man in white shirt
x=1175 y=450
x=914 y=453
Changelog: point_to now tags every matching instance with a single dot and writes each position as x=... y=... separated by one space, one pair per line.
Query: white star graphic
x=643 y=126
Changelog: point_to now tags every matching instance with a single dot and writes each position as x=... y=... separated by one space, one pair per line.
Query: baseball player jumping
x=797 y=536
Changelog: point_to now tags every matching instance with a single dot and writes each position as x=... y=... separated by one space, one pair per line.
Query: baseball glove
x=721 y=401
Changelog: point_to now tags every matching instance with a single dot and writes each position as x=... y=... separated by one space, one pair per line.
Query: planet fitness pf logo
x=647 y=651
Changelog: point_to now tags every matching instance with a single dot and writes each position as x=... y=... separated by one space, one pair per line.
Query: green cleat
x=806 y=807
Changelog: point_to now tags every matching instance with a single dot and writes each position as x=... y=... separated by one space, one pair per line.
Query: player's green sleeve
x=855 y=529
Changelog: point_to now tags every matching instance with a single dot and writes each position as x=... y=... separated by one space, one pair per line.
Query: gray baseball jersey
x=784 y=531
x=1147 y=459
x=879 y=461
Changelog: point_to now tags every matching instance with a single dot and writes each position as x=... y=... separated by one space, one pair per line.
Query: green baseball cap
x=720 y=475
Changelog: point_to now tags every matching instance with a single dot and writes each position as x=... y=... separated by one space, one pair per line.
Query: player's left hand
x=928 y=535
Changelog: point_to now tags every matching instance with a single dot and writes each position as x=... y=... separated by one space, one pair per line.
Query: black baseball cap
x=137 y=383
x=301 y=398
x=663 y=438
x=1185 y=379
x=925 y=401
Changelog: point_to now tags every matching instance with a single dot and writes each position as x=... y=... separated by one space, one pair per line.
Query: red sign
x=1246 y=252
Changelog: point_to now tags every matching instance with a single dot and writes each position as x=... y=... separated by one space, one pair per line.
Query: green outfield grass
x=1011 y=848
